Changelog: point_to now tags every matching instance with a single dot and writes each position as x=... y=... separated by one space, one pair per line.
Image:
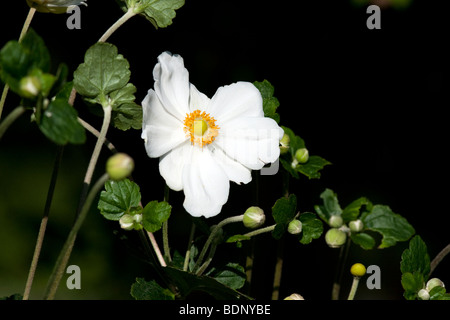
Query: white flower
x=54 y=6
x=204 y=143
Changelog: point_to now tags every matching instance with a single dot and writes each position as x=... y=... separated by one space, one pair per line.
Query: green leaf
x=312 y=227
x=231 y=275
x=127 y=116
x=416 y=258
x=295 y=142
x=393 y=227
x=353 y=210
x=283 y=212
x=312 y=167
x=119 y=197
x=17 y=60
x=16 y=296
x=155 y=214
x=270 y=103
x=188 y=283
x=237 y=238
x=330 y=205
x=364 y=240
x=150 y=290
x=103 y=71
x=439 y=293
x=59 y=123
x=412 y=283
x=159 y=12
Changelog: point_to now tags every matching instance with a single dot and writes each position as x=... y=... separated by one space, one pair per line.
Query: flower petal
x=206 y=185
x=171 y=165
x=235 y=171
x=253 y=142
x=161 y=130
x=241 y=99
x=172 y=84
x=197 y=100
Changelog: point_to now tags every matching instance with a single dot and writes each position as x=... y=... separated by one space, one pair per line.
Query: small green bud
x=335 y=238
x=254 y=217
x=294 y=296
x=434 y=282
x=284 y=144
x=335 y=221
x=30 y=86
x=127 y=222
x=302 y=155
x=295 y=226
x=423 y=294
x=356 y=225
x=119 y=166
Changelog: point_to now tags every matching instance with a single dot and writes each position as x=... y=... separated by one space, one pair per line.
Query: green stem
x=25 y=28
x=260 y=231
x=212 y=236
x=64 y=255
x=10 y=118
x=208 y=260
x=188 y=251
x=343 y=254
x=43 y=226
x=165 y=230
x=441 y=255
x=129 y=14
x=278 y=272
x=353 y=289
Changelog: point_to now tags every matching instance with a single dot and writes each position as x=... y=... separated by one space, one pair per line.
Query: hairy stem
x=64 y=255
x=260 y=231
x=441 y=255
x=129 y=14
x=189 y=247
x=43 y=226
x=213 y=235
x=278 y=272
x=165 y=230
x=353 y=289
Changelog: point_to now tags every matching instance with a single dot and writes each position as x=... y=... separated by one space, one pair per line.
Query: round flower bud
x=302 y=155
x=254 y=217
x=358 y=270
x=356 y=225
x=119 y=166
x=30 y=86
x=335 y=238
x=127 y=222
x=294 y=296
x=54 y=6
x=434 y=282
x=423 y=294
x=335 y=221
x=295 y=226
x=284 y=144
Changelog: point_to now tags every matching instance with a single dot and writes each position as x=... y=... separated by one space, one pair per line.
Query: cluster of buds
x=424 y=294
x=337 y=235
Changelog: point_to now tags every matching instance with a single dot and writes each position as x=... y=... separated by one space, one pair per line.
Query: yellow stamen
x=200 y=127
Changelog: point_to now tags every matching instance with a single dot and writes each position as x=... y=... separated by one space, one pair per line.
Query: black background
x=372 y=102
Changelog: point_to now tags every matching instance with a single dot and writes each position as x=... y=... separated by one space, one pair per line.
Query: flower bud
x=294 y=296
x=30 y=86
x=335 y=237
x=423 y=294
x=254 y=217
x=54 y=6
x=119 y=166
x=127 y=222
x=356 y=225
x=295 y=226
x=284 y=144
x=302 y=155
x=358 y=270
x=335 y=221
x=435 y=282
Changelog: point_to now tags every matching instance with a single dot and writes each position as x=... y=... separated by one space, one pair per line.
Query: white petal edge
x=253 y=142
x=172 y=84
x=206 y=185
x=240 y=99
x=171 y=165
x=235 y=171
x=197 y=100
x=160 y=130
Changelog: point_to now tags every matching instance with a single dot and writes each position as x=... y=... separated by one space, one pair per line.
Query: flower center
x=200 y=127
